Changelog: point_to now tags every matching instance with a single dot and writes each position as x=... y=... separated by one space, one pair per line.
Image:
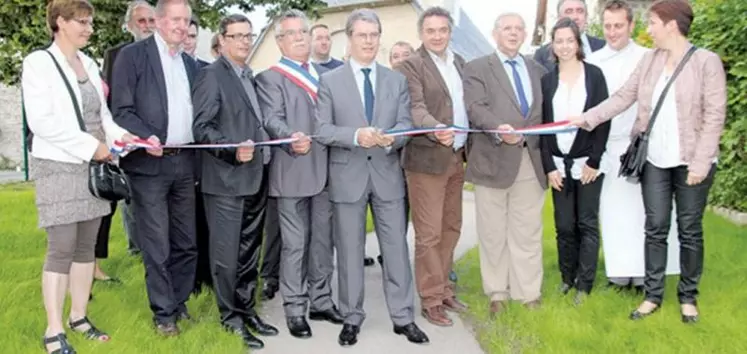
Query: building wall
x=398 y=21
x=11 y=126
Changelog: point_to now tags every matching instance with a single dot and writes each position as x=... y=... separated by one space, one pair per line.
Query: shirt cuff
x=355 y=137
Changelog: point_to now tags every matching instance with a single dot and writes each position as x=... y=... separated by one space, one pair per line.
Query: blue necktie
x=368 y=95
x=519 y=89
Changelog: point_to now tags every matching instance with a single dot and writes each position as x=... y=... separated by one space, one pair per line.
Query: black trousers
x=203 y=275
x=102 y=239
x=659 y=186
x=235 y=242
x=165 y=223
x=273 y=242
x=577 y=226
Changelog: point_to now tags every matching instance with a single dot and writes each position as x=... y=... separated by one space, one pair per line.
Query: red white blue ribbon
x=120 y=147
x=306 y=80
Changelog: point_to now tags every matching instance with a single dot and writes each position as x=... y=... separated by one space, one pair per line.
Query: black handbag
x=105 y=180
x=634 y=158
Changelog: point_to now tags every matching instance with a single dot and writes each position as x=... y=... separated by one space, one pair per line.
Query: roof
x=466 y=39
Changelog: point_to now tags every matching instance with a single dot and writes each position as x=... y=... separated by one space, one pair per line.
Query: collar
x=503 y=57
x=357 y=67
x=239 y=70
x=299 y=63
x=321 y=62
x=585 y=41
x=163 y=48
x=449 y=56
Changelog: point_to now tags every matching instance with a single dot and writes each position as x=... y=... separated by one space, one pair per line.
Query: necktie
x=523 y=104
x=305 y=66
x=368 y=95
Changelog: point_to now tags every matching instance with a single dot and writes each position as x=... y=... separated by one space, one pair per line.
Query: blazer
x=431 y=105
x=544 y=57
x=50 y=113
x=139 y=100
x=340 y=113
x=700 y=91
x=286 y=109
x=108 y=68
x=586 y=144
x=491 y=101
x=226 y=113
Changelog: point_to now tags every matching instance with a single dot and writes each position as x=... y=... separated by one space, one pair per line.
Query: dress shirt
x=585 y=45
x=569 y=101
x=360 y=79
x=664 y=141
x=453 y=80
x=178 y=94
x=521 y=67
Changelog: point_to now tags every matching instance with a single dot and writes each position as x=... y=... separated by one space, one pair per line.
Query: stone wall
x=11 y=126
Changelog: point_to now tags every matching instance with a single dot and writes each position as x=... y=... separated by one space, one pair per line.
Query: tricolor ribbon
x=120 y=147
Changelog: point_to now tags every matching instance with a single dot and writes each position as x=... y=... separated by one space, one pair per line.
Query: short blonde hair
x=67 y=9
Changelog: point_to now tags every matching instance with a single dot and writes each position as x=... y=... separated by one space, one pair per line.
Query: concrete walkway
x=10 y=177
x=376 y=334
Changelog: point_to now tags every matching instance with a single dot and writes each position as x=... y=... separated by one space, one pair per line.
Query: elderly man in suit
x=576 y=10
x=298 y=178
x=151 y=88
x=434 y=163
x=357 y=102
x=502 y=91
x=227 y=111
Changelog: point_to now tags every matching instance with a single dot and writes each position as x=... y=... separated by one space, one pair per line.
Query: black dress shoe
x=348 y=335
x=380 y=259
x=330 y=315
x=298 y=327
x=256 y=324
x=565 y=288
x=413 y=333
x=368 y=261
x=167 y=329
x=249 y=339
x=689 y=319
x=269 y=288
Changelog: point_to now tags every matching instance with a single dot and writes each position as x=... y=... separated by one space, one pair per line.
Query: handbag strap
x=70 y=91
x=660 y=101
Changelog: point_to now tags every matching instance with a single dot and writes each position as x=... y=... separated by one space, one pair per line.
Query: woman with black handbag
x=571 y=160
x=681 y=92
x=70 y=125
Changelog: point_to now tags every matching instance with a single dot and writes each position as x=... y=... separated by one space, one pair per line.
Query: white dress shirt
x=585 y=45
x=179 y=100
x=453 y=80
x=664 y=139
x=521 y=67
x=569 y=101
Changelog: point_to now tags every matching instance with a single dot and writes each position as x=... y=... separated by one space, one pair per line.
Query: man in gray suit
x=298 y=178
x=357 y=103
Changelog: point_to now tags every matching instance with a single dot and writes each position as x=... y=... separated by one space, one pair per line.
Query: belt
x=171 y=151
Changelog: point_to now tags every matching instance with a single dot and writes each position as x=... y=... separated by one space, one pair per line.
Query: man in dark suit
x=151 y=98
x=227 y=111
x=190 y=43
x=576 y=10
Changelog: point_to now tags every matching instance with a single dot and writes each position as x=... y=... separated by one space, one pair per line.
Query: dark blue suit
x=163 y=187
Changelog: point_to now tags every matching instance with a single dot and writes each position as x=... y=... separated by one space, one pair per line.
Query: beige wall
x=398 y=22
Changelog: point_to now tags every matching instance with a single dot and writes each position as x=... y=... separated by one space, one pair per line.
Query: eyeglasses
x=294 y=33
x=242 y=36
x=84 y=22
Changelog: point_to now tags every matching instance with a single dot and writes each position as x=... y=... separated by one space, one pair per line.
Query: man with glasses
x=364 y=170
x=298 y=178
x=227 y=111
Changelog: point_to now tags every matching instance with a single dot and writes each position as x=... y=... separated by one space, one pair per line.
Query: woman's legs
x=81 y=271
x=61 y=242
x=587 y=206
x=568 y=239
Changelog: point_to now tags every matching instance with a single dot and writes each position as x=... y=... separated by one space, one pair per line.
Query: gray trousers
x=70 y=243
x=350 y=242
x=306 y=263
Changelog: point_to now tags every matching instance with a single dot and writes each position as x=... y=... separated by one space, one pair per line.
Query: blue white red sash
x=302 y=78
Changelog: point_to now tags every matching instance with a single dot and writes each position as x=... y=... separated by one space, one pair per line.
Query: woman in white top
x=60 y=154
x=571 y=160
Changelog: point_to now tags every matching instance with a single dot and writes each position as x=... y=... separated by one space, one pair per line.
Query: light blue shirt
x=453 y=82
x=521 y=67
x=178 y=95
x=360 y=79
x=585 y=45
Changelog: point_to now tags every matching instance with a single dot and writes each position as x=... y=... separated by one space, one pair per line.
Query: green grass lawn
x=601 y=326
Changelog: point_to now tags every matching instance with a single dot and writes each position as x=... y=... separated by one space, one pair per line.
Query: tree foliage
x=23 y=25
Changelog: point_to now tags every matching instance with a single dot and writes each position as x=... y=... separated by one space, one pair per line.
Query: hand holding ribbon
x=302 y=145
x=245 y=151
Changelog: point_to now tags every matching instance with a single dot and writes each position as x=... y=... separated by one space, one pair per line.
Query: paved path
x=10 y=176
x=376 y=334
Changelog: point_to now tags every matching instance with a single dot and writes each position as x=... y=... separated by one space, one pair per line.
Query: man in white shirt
x=622 y=234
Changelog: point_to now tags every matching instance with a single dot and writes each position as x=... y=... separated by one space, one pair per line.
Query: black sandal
x=65 y=347
x=92 y=333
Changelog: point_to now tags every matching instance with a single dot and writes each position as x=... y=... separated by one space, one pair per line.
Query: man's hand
x=511 y=139
x=156 y=150
x=302 y=145
x=245 y=152
x=445 y=137
x=128 y=138
x=367 y=137
x=555 y=180
x=693 y=179
x=102 y=153
x=588 y=175
x=383 y=140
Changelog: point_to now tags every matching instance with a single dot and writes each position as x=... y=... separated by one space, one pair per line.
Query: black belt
x=172 y=151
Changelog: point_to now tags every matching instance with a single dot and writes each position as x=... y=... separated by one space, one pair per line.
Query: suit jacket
x=586 y=144
x=287 y=109
x=341 y=112
x=700 y=91
x=108 y=68
x=544 y=57
x=139 y=101
x=201 y=63
x=225 y=112
x=431 y=105
x=491 y=101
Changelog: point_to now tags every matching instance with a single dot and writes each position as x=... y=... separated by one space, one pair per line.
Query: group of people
x=341 y=162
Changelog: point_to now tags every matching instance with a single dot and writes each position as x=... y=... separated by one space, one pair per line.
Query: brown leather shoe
x=533 y=305
x=454 y=305
x=496 y=307
x=437 y=316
